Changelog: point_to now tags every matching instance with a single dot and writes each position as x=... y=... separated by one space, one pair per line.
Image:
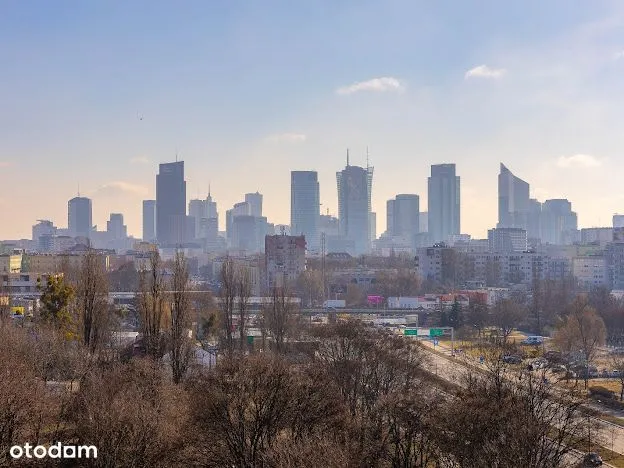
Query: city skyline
x=234 y=90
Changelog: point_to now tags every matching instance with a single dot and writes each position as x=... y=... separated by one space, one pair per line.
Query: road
x=610 y=436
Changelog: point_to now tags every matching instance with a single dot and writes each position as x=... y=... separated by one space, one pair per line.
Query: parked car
x=512 y=359
x=554 y=357
x=539 y=363
x=558 y=368
x=592 y=459
x=533 y=340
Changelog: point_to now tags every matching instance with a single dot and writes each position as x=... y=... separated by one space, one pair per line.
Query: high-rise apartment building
x=171 y=204
x=255 y=203
x=79 y=217
x=284 y=259
x=149 y=220
x=513 y=200
x=305 y=206
x=507 y=240
x=354 y=206
x=198 y=209
x=443 y=202
x=618 y=221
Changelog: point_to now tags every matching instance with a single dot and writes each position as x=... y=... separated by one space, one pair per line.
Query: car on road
x=538 y=363
x=592 y=459
x=512 y=359
x=533 y=340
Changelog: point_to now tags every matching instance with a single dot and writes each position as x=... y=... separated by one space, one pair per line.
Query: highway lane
x=610 y=436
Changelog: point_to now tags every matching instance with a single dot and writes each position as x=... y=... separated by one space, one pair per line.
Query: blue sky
x=245 y=91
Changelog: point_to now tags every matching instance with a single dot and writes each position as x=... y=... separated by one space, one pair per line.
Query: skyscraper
x=443 y=202
x=198 y=209
x=354 y=205
x=255 y=203
x=559 y=223
x=305 y=206
x=404 y=216
x=115 y=227
x=79 y=217
x=171 y=204
x=513 y=200
x=149 y=220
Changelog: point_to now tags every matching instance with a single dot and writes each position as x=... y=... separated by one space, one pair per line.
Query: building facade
x=305 y=206
x=513 y=200
x=443 y=202
x=284 y=259
x=171 y=204
x=354 y=206
x=80 y=217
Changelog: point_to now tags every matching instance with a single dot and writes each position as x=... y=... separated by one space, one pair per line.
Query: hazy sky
x=245 y=91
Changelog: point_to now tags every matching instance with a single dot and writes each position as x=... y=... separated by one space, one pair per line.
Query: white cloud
x=119 y=187
x=139 y=160
x=618 y=55
x=578 y=160
x=286 y=138
x=483 y=71
x=379 y=85
x=5 y=164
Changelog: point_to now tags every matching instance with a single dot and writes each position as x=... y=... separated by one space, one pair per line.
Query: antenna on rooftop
x=367 y=165
x=78 y=188
x=347 y=157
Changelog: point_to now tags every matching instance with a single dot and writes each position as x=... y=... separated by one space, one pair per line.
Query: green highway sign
x=423 y=332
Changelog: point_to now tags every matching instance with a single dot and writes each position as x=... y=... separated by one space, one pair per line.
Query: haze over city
x=95 y=96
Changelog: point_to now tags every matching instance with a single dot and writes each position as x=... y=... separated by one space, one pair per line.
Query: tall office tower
x=198 y=209
x=423 y=221
x=149 y=220
x=171 y=204
x=116 y=228
x=559 y=223
x=79 y=217
x=255 y=203
x=443 y=202
x=390 y=217
x=354 y=206
x=43 y=234
x=212 y=207
x=618 y=221
x=305 y=208
x=405 y=217
x=513 y=200
x=534 y=220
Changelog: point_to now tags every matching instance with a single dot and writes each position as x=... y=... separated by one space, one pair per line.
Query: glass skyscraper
x=305 y=206
x=171 y=204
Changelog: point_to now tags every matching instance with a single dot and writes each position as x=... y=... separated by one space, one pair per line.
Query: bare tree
x=131 y=413
x=243 y=289
x=278 y=315
x=227 y=294
x=507 y=315
x=92 y=300
x=151 y=305
x=582 y=330
x=5 y=301
x=180 y=344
